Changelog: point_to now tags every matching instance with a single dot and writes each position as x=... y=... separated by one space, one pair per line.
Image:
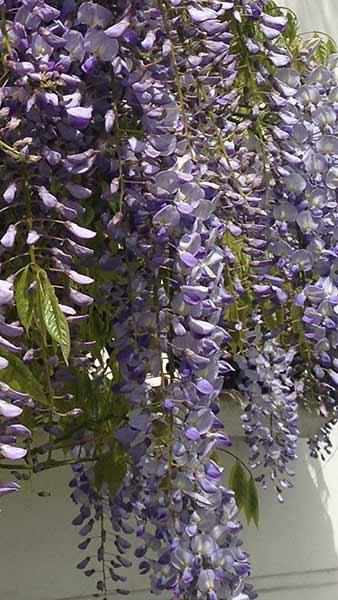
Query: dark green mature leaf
x=21 y=379
x=23 y=298
x=251 y=506
x=53 y=317
x=239 y=484
x=110 y=469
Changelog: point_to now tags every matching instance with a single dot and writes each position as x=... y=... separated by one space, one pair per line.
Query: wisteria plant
x=169 y=239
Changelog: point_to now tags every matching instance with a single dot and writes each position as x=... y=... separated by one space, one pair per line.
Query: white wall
x=320 y=15
x=294 y=552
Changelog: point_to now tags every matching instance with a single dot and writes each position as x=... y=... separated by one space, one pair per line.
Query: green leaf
x=239 y=484
x=53 y=317
x=111 y=469
x=24 y=298
x=21 y=379
x=251 y=506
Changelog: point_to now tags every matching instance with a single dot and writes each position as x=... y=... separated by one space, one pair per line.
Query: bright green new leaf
x=53 y=317
x=21 y=379
x=239 y=484
x=23 y=298
x=251 y=506
x=111 y=469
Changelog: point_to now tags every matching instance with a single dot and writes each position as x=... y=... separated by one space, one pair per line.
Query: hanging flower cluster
x=168 y=196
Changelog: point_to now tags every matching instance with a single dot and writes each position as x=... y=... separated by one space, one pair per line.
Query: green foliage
x=238 y=483
x=52 y=315
x=21 y=378
x=111 y=469
x=251 y=506
x=24 y=297
x=324 y=48
x=245 y=490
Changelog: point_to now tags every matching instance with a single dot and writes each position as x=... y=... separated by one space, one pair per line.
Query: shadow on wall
x=319 y=15
x=293 y=552
x=295 y=547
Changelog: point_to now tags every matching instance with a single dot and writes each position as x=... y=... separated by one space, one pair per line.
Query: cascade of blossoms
x=197 y=364
x=301 y=233
x=49 y=144
x=186 y=325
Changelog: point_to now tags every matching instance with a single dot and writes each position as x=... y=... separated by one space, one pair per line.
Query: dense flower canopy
x=169 y=237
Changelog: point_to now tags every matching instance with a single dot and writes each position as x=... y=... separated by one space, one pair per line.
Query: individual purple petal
x=192 y=433
x=79 y=278
x=200 y=327
x=303 y=259
x=109 y=120
x=78 y=191
x=67 y=310
x=332 y=178
x=40 y=47
x=285 y=211
x=288 y=81
x=117 y=30
x=148 y=41
x=74 y=43
x=6 y=345
x=8 y=488
x=80 y=232
x=328 y=144
x=324 y=115
x=253 y=46
x=9 y=193
x=167 y=180
x=19 y=431
x=3 y=363
x=51 y=38
x=199 y=292
x=178 y=328
x=295 y=183
x=49 y=200
x=8 y=238
x=23 y=68
x=6 y=292
x=213 y=27
x=101 y=45
x=204 y=387
x=80 y=116
x=334 y=376
x=94 y=15
x=278 y=23
x=189 y=260
x=89 y=64
x=167 y=216
x=306 y=222
x=9 y=410
x=271 y=26
x=78 y=250
x=206 y=580
x=279 y=59
x=79 y=163
x=12 y=452
x=32 y=237
x=10 y=330
x=79 y=298
x=199 y=15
